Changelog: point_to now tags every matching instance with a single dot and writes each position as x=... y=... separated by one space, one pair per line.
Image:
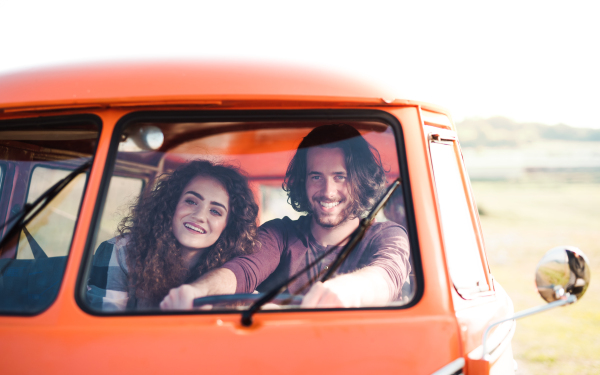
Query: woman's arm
x=218 y=281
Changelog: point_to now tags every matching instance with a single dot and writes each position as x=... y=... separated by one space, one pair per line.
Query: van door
x=478 y=300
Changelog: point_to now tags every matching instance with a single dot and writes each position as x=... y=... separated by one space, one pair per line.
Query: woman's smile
x=195 y=228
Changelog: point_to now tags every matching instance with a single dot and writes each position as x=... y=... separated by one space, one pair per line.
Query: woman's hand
x=218 y=281
x=181 y=298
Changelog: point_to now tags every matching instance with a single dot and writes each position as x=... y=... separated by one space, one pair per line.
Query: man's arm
x=218 y=281
x=365 y=287
x=377 y=283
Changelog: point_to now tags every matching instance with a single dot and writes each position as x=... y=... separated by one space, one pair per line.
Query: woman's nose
x=200 y=214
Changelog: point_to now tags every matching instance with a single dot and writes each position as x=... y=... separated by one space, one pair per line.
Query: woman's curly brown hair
x=154 y=257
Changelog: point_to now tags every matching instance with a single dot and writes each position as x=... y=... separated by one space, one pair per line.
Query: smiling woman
x=193 y=220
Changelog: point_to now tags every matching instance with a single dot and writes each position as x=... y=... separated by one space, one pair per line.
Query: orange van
x=80 y=144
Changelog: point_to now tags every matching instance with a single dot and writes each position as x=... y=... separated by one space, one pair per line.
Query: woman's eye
x=341 y=178
x=215 y=212
x=189 y=201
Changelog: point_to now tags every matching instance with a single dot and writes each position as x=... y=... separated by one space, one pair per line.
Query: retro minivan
x=79 y=145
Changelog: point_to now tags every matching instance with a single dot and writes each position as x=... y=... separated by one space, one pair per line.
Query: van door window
x=35 y=155
x=462 y=251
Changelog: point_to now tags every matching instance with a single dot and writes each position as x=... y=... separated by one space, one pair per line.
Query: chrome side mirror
x=562 y=277
x=563 y=270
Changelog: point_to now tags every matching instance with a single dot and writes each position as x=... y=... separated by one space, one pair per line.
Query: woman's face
x=201 y=213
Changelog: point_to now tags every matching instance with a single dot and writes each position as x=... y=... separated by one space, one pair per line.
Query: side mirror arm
x=569 y=299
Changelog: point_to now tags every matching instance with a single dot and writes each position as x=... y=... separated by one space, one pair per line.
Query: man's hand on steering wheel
x=331 y=294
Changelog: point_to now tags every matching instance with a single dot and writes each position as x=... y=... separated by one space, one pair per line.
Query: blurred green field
x=521 y=221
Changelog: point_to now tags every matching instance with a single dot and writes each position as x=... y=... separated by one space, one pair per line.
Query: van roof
x=183 y=82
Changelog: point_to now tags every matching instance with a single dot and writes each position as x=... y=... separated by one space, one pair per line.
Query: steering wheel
x=245 y=299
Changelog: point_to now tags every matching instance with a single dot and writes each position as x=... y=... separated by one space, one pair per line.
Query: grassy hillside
x=499 y=149
x=503 y=132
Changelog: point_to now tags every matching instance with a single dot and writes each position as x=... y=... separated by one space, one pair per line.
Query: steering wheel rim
x=228 y=299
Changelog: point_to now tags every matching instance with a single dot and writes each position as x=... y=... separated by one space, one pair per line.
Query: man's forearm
x=368 y=284
x=218 y=281
x=366 y=287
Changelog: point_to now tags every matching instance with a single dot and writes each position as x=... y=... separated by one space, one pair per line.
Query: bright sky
x=528 y=60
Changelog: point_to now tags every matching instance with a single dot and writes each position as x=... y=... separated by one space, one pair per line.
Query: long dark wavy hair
x=366 y=176
x=154 y=257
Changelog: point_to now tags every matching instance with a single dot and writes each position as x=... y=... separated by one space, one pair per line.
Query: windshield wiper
x=354 y=240
x=21 y=218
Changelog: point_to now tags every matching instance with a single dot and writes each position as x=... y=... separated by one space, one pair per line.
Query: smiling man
x=335 y=177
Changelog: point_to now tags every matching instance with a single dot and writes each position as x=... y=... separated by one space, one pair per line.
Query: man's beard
x=327 y=221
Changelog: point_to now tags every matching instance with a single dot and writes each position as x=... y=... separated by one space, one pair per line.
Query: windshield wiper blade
x=356 y=238
x=247 y=314
x=21 y=218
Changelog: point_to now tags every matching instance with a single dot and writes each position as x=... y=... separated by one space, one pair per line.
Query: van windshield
x=261 y=199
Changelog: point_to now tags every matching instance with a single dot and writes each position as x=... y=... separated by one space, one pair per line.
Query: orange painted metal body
x=64 y=339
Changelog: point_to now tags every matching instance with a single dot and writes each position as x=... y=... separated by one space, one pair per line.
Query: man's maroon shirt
x=287 y=246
